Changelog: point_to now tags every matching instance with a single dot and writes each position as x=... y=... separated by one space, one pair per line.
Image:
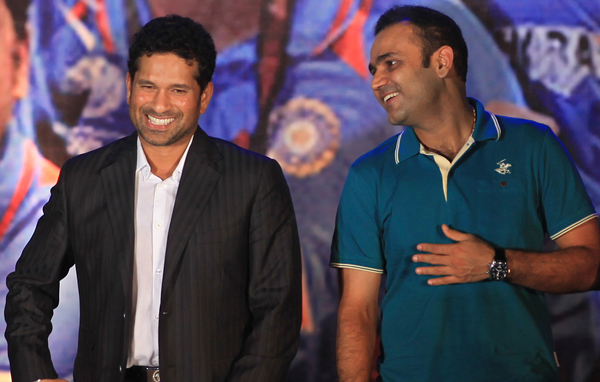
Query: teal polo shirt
x=512 y=183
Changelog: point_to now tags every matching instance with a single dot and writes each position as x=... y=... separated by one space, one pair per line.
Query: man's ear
x=206 y=97
x=21 y=60
x=128 y=83
x=444 y=60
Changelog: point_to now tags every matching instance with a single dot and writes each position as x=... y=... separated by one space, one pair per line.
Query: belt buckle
x=154 y=375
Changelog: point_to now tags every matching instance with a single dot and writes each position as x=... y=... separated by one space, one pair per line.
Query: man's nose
x=378 y=81
x=160 y=102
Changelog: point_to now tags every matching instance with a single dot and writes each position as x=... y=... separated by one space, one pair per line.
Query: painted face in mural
x=165 y=99
x=14 y=64
x=400 y=83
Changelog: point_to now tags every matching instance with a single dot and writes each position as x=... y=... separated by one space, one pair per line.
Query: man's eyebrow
x=383 y=57
x=180 y=86
x=144 y=82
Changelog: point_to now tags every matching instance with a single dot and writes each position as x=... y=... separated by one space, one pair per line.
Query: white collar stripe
x=497 y=125
x=397 y=152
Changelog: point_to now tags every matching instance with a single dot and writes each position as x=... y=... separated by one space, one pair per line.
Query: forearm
x=275 y=287
x=27 y=314
x=273 y=339
x=572 y=268
x=568 y=270
x=33 y=292
x=272 y=342
x=356 y=338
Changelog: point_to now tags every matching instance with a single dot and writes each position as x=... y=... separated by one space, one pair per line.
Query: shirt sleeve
x=357 y=237
x=565 y=202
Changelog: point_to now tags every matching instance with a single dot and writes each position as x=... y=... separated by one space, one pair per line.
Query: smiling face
x=165 y=99
x=400 y=83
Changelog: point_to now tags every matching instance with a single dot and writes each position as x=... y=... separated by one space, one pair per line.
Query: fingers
x=466 y=260
x=445 y=249
x=441 y=249
x=445 y=281
x=441 y=270
x=451 y=276
x=430 y=259
x=454 y=234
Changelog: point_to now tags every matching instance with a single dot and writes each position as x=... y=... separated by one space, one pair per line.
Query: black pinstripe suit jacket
x=231 y=292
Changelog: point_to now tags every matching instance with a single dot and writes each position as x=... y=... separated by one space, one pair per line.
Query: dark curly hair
x=434 y=29
x=179 y=35
x=18 y=11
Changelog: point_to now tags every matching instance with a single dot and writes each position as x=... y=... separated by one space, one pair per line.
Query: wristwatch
x=499 y=266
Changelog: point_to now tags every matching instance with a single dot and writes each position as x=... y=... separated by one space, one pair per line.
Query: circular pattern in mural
x=304 y=136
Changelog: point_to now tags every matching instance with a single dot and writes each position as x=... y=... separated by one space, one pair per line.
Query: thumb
x=454 y=234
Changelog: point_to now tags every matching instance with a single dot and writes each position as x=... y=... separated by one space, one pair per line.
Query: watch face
x=498 y=270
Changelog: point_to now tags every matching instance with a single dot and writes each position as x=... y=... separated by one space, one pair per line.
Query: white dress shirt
x=154 y=201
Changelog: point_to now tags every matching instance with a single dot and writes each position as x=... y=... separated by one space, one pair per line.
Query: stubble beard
x=161 y=138
x=398 y=117
x=165 y=138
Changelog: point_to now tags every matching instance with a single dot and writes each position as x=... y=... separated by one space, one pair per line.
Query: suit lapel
x=118 y=178
x=198 y=181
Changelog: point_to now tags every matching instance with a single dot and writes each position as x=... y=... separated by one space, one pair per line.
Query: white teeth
x=390 y=96
x=158 y=121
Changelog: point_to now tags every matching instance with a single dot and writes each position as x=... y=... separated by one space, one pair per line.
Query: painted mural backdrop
x=292 y=82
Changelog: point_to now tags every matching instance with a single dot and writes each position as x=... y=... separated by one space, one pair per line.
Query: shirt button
x=156 y=316
x=159 y=271
x=159 y=226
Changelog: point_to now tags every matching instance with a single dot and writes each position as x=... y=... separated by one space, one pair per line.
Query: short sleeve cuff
x=574 y=225
x=358 y=267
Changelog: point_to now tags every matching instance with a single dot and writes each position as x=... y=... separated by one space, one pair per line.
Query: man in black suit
x=186 y=246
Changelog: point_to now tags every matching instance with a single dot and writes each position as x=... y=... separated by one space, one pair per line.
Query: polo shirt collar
x=486 y=127
x=407 y=145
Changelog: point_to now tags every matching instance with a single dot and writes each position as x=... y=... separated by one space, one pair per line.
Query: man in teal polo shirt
x=454 y=211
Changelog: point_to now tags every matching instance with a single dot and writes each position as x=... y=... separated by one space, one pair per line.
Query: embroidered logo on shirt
x=504 y=167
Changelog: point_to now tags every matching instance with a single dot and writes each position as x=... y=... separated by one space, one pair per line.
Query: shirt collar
x=486 y=127
x=143 y=165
